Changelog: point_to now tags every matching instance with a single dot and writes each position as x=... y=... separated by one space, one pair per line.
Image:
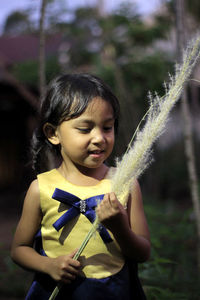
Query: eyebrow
x=88 y=121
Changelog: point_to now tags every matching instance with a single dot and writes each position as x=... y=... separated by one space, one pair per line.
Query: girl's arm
x=129 y=227
x=61 y=268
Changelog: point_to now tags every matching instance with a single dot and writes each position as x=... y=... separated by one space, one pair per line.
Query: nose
x=98 y=137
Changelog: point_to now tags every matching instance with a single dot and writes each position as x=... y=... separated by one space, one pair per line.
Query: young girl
x=78 y=121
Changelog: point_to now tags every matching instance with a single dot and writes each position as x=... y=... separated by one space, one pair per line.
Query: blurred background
x=133 y=46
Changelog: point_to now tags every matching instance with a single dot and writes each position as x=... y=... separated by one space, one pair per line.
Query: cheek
x=111 y=140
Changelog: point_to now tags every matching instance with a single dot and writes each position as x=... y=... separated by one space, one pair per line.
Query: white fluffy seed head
x=139 y=155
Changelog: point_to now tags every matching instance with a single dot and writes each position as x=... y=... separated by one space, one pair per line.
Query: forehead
x=99 y=106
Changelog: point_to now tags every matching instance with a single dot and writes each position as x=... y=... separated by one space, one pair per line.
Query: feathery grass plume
x=138 y=156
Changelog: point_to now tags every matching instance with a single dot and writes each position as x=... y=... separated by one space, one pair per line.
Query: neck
x=83 y=176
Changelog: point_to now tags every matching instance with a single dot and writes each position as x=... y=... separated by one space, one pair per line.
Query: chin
x=95 y=165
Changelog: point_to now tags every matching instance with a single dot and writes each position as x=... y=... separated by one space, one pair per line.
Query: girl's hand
x=64 y=268
x=128 y=226
x=111 y=213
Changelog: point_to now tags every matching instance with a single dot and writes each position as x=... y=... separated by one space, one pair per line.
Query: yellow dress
x=99 y=259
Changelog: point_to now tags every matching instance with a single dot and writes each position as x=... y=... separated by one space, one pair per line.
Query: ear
x=51 y=133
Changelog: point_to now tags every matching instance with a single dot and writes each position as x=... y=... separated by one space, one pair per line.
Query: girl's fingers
x=105 y=199
x=108 y=207
x=71 y=270
x=74 y=263
x=113 y=200
x=67 y=278
x=69 y=274
x=73 y=253
x=110 y=201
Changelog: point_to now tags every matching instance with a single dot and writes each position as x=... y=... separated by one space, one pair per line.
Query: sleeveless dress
x=68 y=213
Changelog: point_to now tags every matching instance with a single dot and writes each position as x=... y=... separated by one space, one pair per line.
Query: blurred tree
x=191 y=25
x=193 y=7
x=188 y=136
x=42 y=79
x=17 y=23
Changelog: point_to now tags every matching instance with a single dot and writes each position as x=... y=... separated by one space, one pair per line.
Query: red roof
x=26 y=47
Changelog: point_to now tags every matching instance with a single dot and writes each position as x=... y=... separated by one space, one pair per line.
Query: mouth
x=96 y=153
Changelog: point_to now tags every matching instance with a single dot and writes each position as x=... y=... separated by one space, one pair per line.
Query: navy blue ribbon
x=86 y=207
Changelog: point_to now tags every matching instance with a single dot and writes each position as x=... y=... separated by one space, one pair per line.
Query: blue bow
x=86 y=207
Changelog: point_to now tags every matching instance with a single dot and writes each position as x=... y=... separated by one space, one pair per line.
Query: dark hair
x=67 y=97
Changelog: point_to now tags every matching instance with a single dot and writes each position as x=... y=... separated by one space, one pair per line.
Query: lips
x=96 y=151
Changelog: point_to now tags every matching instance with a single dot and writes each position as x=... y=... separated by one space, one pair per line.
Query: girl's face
x=87 y=140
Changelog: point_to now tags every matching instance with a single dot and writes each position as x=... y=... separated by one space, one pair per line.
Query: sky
x=7 y=7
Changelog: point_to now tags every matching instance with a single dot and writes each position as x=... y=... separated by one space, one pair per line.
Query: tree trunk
x=188 y=139
x=42 y=79
x=49 y=164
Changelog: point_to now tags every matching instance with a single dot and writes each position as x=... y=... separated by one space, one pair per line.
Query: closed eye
x=108 y=128
x=84 y=130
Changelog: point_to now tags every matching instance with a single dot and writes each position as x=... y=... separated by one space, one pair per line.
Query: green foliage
x=14 y=281
x=139 y=73
x=172 y=271
x=27 y=71
x=167 y=177
x=52 y=68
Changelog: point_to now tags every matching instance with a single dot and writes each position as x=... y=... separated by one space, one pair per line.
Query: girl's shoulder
x=32 y=199
x=34 y=189
x=51 y=174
